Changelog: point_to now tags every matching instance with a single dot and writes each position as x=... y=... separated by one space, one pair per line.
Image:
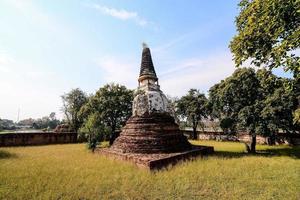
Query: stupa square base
x=157 y=160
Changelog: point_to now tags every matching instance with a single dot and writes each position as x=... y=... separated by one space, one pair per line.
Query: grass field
x=71 y=172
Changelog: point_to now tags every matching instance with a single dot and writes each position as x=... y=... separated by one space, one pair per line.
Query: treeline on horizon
x=46 y=123
x=253 y=101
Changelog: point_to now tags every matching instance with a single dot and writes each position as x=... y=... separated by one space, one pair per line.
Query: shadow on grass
x=293 y=152
x=6 y=155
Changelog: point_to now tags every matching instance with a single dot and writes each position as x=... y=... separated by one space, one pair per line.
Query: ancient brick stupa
x=151 y=138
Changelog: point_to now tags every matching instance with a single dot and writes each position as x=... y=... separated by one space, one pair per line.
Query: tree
x=278 y=110
x=233 y=98
x=52 y=116
x=53 y=122
x=254 y=101
x=193 y=107
x=113 y=105
x=27 y=122
x=41 y=123
x=6 y=124
x=279 y=102
x=296 y=115
x=94 y=130
x=72 y=102
x=232 y=94
x=227 y=125
x=268 y=33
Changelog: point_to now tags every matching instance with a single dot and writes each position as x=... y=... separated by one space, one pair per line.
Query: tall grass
x=72 y=172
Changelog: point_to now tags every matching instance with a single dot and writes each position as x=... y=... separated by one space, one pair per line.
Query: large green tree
x=111 y=106
x=268 y=33
x=72 y=103
x=235 y=99
x=257 y=102
x=278 y=110
x=280 y=101
x=193 y=108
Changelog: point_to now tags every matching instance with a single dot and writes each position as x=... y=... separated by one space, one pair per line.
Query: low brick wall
x=36 y=138
x=293 y=139
x=280 y=138
x=247 y=138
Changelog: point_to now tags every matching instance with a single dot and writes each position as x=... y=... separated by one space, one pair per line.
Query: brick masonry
x=280 y=138
x=155 y=133
x=156 y=161
x=36 y=138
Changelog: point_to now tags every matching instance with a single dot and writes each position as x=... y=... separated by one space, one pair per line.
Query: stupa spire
x=147 y=67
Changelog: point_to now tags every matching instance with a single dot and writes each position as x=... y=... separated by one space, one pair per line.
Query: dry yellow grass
x=72 y=172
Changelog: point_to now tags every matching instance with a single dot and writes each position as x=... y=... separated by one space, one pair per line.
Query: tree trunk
x=195 y=135
x=272 y=139
x=253 y=143
x=112 y=136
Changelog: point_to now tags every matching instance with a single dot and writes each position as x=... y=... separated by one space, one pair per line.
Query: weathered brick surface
x=280 y=138
x=156 y=161
x=36 y=138
x=153 y=141
x=155 y=133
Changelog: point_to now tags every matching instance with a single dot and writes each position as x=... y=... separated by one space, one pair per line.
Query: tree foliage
x=72 y=103
x=94 y=130
x=268 y=33
x=46 y=122
x=110 y=107
x=193 y=107
x=6 y=124
x=231 y=95
x=255 y=101
x=227 y=124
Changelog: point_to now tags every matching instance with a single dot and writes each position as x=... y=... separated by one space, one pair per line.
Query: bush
x=94 y=131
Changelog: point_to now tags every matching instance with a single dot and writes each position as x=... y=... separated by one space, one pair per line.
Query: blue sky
x=48 y=47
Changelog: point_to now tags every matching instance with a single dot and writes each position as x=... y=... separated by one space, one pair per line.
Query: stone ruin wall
x=281 y=138
x=36 y=138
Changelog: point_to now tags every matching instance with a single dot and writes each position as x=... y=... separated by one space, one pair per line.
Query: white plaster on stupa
x=149 y=98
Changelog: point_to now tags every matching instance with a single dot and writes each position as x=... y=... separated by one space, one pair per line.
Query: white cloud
x=190 y=37
x=183 y=66
x=175 y=41
x=36 y=16
x=5 y=62
x=180 y=76
x=121 y=14
x=33 y=89
x=199 y=73
x=119 y=70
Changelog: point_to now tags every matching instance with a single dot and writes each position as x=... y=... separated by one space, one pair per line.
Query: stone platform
x=155 y=161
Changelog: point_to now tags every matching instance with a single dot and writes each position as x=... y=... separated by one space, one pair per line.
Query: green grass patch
x=70 y=171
